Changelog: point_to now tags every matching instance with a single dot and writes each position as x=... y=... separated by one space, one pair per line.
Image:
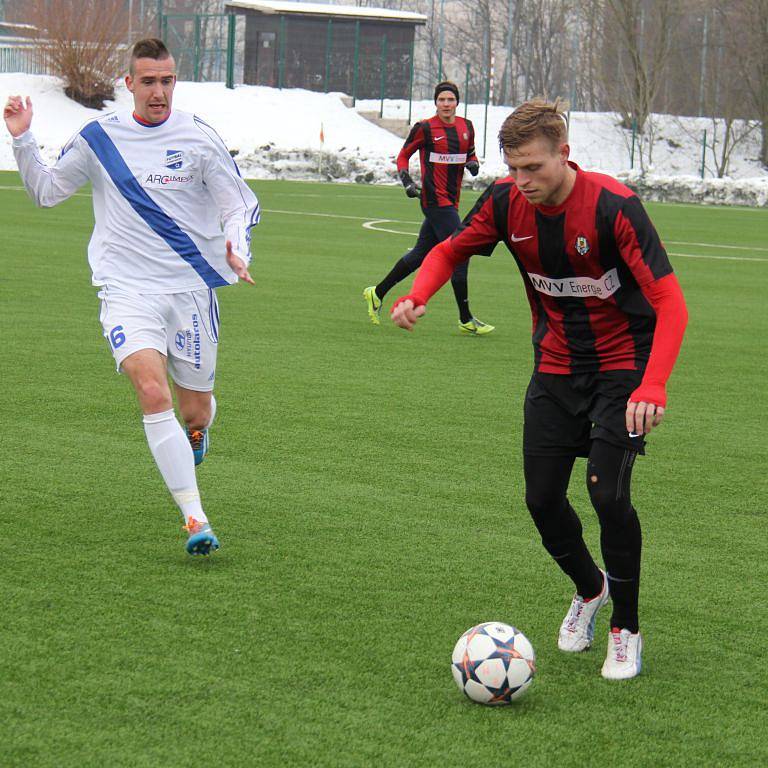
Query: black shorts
x=565 y=413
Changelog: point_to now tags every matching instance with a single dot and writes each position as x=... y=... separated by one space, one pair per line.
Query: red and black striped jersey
x=443 y=151
x=584 y=264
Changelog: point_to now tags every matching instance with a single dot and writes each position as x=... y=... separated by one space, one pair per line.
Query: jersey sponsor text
x=447 y=159
x=579 y=287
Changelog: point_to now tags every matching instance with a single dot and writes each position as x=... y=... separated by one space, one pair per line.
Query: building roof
x=326 y=10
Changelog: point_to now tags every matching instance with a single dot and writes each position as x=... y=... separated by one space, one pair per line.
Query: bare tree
x=85 y=42
x=637 y=38
x=746 y=23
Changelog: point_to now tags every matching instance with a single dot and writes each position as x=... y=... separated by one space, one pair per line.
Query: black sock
x=573 y=557
x=461 y=292
x=399 y=272
x=622 y=562
x=609 y=474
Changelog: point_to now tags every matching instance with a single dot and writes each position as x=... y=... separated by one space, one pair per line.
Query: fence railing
x=27 y=58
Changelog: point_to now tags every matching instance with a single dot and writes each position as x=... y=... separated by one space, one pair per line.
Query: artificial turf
x=366 y=485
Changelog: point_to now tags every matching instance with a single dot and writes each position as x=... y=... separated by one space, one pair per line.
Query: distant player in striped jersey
x=164 y=185
x=446 y=146
x=608 y=321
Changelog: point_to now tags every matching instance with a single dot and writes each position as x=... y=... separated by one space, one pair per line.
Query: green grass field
x=366 y=485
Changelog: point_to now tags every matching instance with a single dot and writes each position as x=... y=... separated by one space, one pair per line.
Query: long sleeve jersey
x=443 y=152
x=166 y=197
x=596 y=275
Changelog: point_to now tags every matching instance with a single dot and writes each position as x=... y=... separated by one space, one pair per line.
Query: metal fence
x=26 y=58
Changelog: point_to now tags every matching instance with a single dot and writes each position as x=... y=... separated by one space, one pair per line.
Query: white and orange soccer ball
x=493 y=663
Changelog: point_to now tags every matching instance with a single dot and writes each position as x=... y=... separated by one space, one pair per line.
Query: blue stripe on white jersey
x=149 y=211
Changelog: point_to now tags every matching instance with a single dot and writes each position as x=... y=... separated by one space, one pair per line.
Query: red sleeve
x=477 y=234
x=471 y=155
x=435 y=272
x=412 y=143
x=667 y=300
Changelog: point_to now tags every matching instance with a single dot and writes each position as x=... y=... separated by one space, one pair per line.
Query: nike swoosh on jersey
x=519 y=239
x=437 y=138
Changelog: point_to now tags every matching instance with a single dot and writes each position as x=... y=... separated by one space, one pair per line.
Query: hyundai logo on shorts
x=180 y=341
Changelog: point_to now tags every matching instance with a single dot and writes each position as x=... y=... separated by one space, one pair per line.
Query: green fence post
x=632 y=153
x=357 y=62
x=196 y=67
x=703 y=152
x=383 y=73
x=440 y=65
x=163 y=26
x=466 y=93
x=328 y=43
x=487 y=99
x=281 y=54
x=410 y=80
x=231 y=21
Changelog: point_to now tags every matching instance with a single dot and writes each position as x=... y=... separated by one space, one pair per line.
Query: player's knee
x=544 y=507
x=196 y=418
x=154 y=396
x=612 y=508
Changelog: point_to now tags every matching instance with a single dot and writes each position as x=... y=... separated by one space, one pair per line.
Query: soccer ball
x=493 y=663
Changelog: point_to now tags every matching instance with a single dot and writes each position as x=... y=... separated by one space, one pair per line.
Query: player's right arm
x=478 y=234
x=46 y=185
x=413 y=143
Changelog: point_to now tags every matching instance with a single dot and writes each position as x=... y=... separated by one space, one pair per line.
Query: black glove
x=473 y=167
x=412 y=189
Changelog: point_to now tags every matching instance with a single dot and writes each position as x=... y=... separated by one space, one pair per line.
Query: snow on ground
x=276 y=134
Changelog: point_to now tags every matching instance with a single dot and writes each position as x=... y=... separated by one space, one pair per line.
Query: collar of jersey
x=145 y=124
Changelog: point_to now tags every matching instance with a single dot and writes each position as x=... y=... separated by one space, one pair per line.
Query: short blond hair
x=535 y=119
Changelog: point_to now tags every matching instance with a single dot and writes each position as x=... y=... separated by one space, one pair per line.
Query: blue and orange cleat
x=202 y=540
x=198 y=439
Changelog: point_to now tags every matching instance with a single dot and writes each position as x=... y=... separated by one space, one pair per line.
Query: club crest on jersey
x=582 y=245
x=465 y=135
x=173 y=159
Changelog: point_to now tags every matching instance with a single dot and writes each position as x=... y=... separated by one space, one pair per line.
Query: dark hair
x=447 y=85
x=534 y=119
x=149 y=48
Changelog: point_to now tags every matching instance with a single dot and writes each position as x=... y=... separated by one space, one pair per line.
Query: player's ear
x=565 y=153
x=129 y=83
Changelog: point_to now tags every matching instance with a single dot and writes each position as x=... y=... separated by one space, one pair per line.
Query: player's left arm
x=472 y=164
x=642 y=250
x=238 y=206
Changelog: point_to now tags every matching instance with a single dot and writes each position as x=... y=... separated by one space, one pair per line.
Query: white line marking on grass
x=372 y=225
x=712 y=256
x=712 y=245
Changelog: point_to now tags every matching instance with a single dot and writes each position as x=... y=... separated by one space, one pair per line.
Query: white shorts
x=182 y=326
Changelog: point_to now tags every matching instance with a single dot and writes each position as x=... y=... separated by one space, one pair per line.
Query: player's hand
x=238 y=266
x=405 y=314
x=642 y=417
x=18 y=115
x=413 y=190
x=473 y=167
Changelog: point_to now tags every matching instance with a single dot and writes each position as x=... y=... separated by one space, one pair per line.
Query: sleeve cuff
x=24 y=138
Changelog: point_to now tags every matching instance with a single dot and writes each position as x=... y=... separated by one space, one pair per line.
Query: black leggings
x=609 y=473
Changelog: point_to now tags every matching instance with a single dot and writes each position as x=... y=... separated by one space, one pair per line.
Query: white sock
x=213 y=411
x=174 y=458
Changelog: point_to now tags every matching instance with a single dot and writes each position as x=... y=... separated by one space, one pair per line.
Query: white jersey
x=161 y=196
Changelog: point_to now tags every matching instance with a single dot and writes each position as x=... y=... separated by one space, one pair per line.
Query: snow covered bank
x=276 y=134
